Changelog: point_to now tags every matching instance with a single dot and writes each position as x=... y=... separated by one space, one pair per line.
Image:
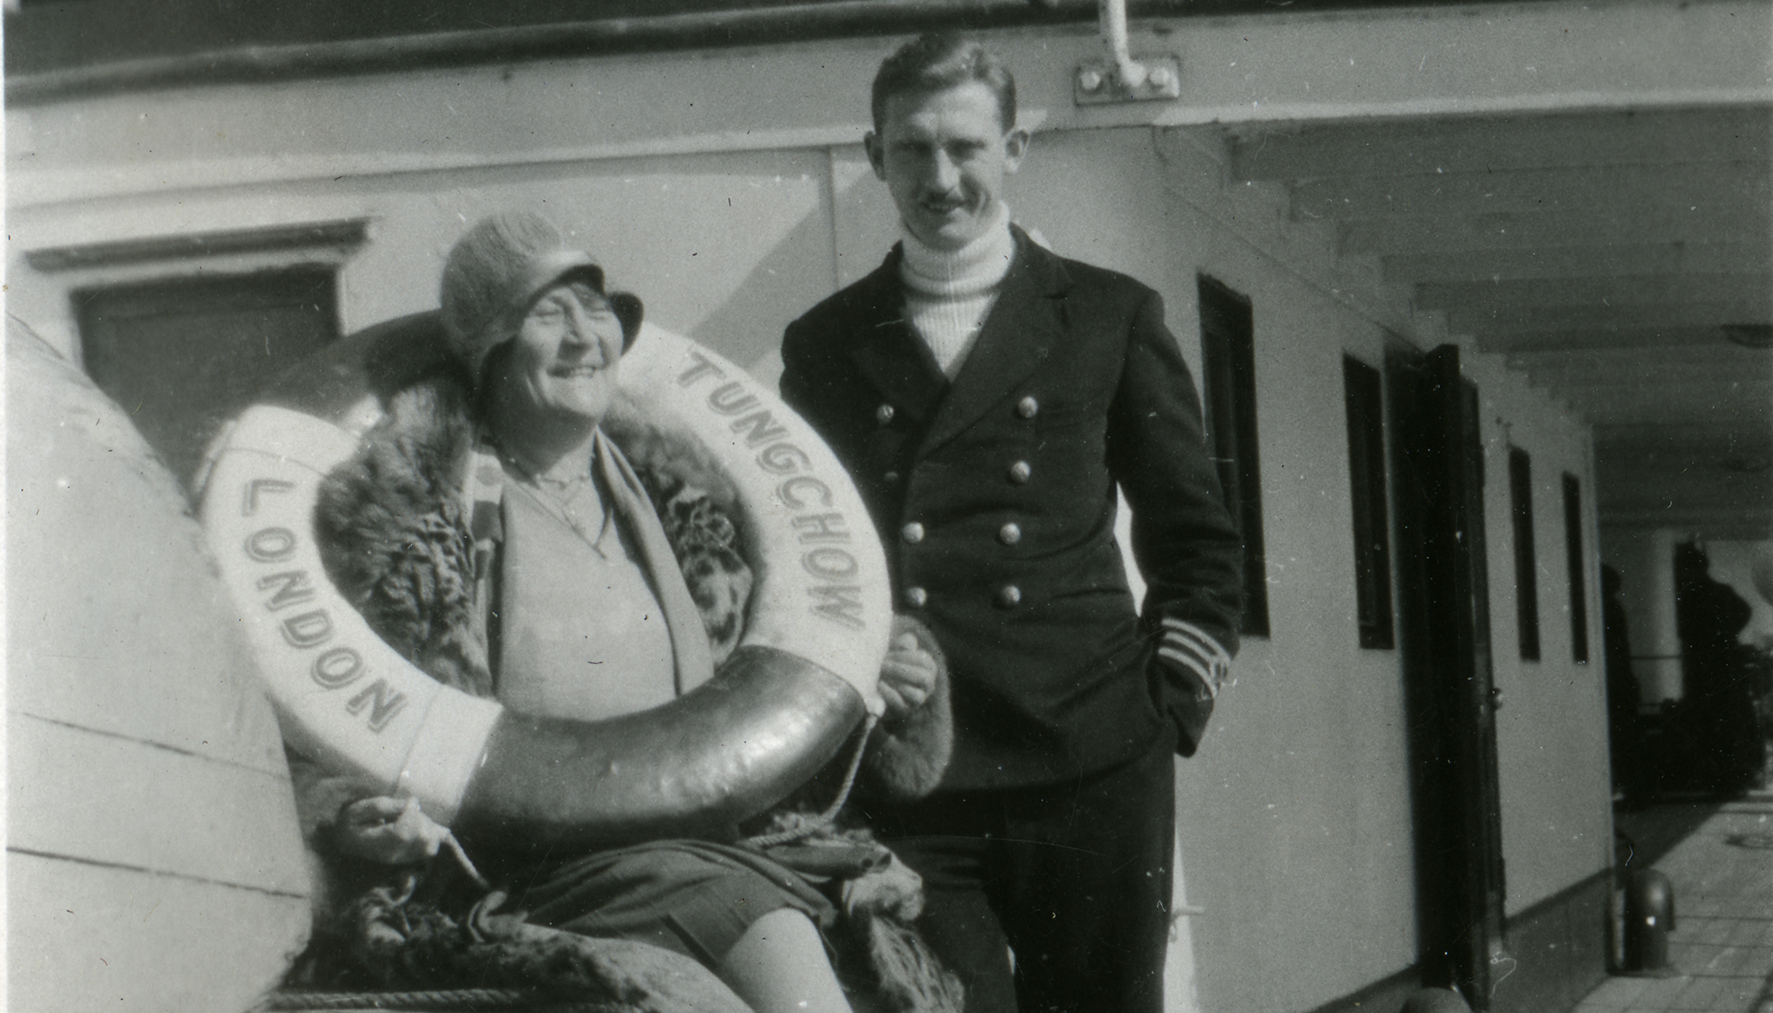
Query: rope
x=829 y=816
x=471 y=999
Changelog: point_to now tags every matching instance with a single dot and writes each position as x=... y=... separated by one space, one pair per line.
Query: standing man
x=988 y=397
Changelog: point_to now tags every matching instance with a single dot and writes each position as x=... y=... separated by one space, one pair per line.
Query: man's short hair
x=937 y=61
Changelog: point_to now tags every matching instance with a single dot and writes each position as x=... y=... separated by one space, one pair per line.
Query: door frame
x=1450 y=694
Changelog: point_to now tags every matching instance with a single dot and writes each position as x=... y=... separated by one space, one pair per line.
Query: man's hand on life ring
x=388 y=830
x=907 y=676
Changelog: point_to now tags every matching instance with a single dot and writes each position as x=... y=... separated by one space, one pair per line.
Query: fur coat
x=399 y=543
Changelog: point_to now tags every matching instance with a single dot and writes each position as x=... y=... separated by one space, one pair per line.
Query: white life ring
x=800 y=681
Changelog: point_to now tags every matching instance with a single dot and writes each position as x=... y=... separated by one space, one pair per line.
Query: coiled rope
x=478 y=1000
x=823 y=820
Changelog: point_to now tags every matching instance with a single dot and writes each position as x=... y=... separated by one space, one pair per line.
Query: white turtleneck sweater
x=949 y=293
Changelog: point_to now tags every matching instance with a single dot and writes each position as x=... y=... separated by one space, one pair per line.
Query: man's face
x=567 y=350
x=944 y=156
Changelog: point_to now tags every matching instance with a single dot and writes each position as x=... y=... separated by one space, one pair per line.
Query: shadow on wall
x=786 y=282
x=845 y=238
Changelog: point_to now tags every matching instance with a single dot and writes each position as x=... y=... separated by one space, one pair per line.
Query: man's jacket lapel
x=889 y=353
x=1024 y=327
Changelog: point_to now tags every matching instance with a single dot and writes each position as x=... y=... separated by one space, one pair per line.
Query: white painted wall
x=728 y=189
x=1302 y=777
x=1556 y=788
x=154 y=863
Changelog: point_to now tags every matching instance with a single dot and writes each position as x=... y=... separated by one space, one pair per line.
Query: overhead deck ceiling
x=1622 y=260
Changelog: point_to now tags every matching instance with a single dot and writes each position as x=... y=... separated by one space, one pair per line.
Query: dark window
x=1366 y=479
x=1578 y=569
x=1526 y=566
x=182 y=357
x=1228 y=360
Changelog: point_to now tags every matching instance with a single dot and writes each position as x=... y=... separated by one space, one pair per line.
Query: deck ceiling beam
x=1436 y=234
x=1470 y=144
x=1599 y=293
x=1718 y=187
x=1583 y=261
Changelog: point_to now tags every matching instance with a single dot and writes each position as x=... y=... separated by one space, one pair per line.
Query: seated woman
x=493 y=532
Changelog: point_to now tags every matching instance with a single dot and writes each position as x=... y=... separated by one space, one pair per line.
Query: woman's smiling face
x=566 y=352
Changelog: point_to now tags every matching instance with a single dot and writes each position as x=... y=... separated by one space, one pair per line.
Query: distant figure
x=1624 y=695
x=1717 y=713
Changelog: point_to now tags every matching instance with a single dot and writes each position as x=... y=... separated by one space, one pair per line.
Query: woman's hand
x=907 y=676
x=392 y=831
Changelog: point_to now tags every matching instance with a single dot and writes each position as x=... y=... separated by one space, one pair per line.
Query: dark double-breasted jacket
x=995 y=498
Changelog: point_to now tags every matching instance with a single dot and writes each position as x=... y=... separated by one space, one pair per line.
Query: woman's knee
x=780 y=963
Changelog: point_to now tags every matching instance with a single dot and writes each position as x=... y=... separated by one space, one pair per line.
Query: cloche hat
x=499 y=267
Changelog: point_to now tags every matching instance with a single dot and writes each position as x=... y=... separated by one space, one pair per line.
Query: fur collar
x=397 y=540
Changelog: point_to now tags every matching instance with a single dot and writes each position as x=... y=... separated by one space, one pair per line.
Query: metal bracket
x=1101 y=82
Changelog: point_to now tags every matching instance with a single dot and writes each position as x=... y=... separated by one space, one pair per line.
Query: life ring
x=780 y=708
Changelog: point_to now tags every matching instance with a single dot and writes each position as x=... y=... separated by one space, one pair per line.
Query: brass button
x=884 y=414
x=892 y=478
x=1020 y=472
x=1028 y=407
x=916 y=596
x=1010 y=533
x=1009 y=596
x=912 y=533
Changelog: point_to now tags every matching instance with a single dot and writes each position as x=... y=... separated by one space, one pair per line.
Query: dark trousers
x=1074 y=878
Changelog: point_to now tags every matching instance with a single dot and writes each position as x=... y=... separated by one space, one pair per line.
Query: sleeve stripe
x=1207 y=645
x=1214 y=672
x=1199 y=645
x=1188 y=644
x=1182 y=658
